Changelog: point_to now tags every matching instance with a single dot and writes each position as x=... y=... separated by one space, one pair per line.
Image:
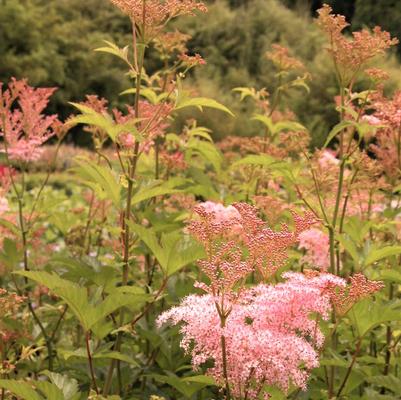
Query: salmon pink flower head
x=388 y=111
x=152 y=15
x=352 y=55
x=191 y=61
x=270 y=335
x=23 y=125
x=358 y=288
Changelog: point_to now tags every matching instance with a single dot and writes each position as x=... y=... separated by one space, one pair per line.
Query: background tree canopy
x=233 y=37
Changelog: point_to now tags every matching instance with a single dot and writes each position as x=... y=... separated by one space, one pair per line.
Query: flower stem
x=90 y=362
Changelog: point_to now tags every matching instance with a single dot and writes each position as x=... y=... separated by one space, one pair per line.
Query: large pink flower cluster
x=22 y=125
x=266 y=334
x=316 y=244
x=270 y=336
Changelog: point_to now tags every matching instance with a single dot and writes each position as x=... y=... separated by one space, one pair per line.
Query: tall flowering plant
x=344 y=187
x=279 y=294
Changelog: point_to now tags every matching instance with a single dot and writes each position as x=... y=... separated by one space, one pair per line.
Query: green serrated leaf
x=336 y=130
x=21 y=389
x=100 y=178
x=201 y=102
x=378 y=254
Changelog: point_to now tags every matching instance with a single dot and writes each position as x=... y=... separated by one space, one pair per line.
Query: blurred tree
x=51 y=43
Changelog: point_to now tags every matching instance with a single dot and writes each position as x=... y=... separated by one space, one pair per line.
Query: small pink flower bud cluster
x=316 y=244
x=191 y=61
x=282 y=60
x=388 y=114
x=9 y=305
x=153 y=122
x=359 y=287
x=22 y=125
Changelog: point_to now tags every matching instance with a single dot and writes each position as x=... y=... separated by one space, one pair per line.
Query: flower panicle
x=24 y=126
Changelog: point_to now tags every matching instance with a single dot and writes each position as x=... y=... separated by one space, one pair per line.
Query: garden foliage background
x=57 y=51
x=179 y=229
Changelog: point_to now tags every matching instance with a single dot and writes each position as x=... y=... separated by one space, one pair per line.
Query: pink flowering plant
x=161 y=265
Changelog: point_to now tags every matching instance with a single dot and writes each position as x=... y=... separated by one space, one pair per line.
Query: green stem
x=349 y=370
x=127 y=214
x=90 y=362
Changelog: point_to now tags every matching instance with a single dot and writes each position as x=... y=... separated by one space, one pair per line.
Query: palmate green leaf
x=9 y=226
x=111 y=48
x=378 y=254
x=207 y=151
x=183 y=251
x=50 y=390
x=389 y=275
x=245 y=92
x=77 y=299
x=10 y=256
x=367 y=314
x=173 y=251
x=265 y=120
x=202 y=132
x=148 y=93
x=67 y=385
x=184 y=385
x=336 y=130
x=200 y=102
x=279 y=126
x=74 y=295
x=350 y=247
x=22 y=389
x=153 y=190
x=100 y=178
x=390 y=382
x=105 y=122
x=288 y=126
x=148 y=236
x=98 y=355
x=259 y=159
x=300 y=82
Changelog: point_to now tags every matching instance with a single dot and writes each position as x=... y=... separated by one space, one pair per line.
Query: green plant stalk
x=225 y=372
x=90 y=362
x=389 y=335
x=127 y=215
x=349 y=370
x=332 y=227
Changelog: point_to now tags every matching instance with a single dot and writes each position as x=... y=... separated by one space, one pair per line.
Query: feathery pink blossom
x=269 y=334
x=23 y=125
